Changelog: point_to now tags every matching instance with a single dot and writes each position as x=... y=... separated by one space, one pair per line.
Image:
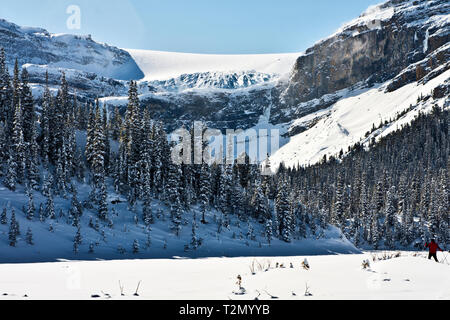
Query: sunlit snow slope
x=159 y=65
x=346 y=123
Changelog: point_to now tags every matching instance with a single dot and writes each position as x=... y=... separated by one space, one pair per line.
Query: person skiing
x=433 y=248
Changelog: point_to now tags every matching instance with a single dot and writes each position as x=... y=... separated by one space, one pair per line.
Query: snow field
x=330 y=277
x=159 y=65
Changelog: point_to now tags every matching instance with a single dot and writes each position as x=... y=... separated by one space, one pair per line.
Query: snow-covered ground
x=330 y=277
x=159 y=65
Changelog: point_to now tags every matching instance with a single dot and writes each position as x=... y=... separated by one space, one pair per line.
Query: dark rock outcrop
x=373 y=48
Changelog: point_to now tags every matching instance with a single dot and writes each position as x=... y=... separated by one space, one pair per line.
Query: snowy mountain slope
x=159 y=65
x=410 y=277
x=349 y=120
x=213 y=80
x=375 y=47
x=38 y=46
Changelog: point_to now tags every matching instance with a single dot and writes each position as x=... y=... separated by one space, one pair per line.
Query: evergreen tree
x=3 y=217
x=29 y=237
x=18 y=146
x=269 y=231
x=77 y=240
x=283 y=212
x=390 y=216
x=13 y=230
x=205 y=190
x=31 y=208
x=27 y=103
x=135 y=247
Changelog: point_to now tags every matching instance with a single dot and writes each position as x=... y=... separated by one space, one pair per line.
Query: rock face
x=38 y=46
x=219 y=109
x=375 y=47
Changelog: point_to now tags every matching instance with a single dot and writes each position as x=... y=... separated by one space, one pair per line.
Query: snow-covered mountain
x=369 y=71
x=38 y=46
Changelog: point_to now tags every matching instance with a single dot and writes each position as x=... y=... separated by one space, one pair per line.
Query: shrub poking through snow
x=135 y=247
x=366 y=264
x=307 y=292
x=305 y=264
x=241 y=290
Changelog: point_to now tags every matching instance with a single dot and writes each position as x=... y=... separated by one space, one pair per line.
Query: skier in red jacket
x=434 y=247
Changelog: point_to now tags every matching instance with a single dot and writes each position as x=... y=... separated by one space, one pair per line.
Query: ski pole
x=445 y=257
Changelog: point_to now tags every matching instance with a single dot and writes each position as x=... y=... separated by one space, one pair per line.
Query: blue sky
x=197 y=26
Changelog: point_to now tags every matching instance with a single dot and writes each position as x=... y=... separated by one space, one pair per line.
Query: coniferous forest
x=392 y=194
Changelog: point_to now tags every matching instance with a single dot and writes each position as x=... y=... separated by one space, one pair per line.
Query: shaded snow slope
x=330 y=278
x=58 y=244
x=159 y=65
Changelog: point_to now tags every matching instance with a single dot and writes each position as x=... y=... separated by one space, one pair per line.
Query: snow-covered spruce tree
x=389 y=220
x=3 y=217
x=5 y=88
x=283 y=211
x=375 y=231
x=269 y=231
x=13 y=230
x=15 y=101
x=250 y=232
x=29 y=237
x=339 y=211
x=103 y=204
x=60 y=177
x=146 y=171
x=226 y=188
x=148 y=242
x=98 y=150
x=45 y=124
x=41 y=212
x=18 y=144
x=135 y=247
x=47 y=191
x=116 y=124
x=205 y=190
x=27 y=103
x=194 y=239
x=90 y=137
x=106 y=138
x=238 y=200
x=147 y=213
x=31 y=208
x=3 y=145
x=379 y=197
x=77 y=240
x=33 y=160
x=76 y=209
x=260 y=203
x=443 y=207
x=11 y=172
x=173 y=196
x=62 y=108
